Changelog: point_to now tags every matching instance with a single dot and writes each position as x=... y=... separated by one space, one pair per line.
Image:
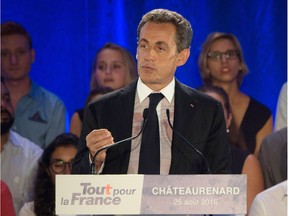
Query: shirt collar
x=144 y=91
x=35 y=91
x=13 y=139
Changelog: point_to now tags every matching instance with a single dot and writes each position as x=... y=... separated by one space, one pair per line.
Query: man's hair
x=184 y=30
x=12 y=28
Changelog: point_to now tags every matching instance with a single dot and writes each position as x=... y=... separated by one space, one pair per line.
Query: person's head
x=235 y=136
x=7 y=113
x=17 y=54
x=221 y=59
x=113 y=67
x=56 y=159
x=219 y=94
x=58 y=155
x=164 y=39
x=97 y=92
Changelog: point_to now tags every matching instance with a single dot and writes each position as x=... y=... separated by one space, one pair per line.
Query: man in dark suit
x=164 y=39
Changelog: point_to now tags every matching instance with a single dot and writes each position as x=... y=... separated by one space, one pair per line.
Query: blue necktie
x=149 y=160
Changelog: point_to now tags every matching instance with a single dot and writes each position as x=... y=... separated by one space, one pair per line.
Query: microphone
x=92 y=168
x=208 y=171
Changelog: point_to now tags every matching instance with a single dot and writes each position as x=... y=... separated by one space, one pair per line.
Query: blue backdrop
x=67 y=34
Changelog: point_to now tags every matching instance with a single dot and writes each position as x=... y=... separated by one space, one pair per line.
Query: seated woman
x=113 y=68
x=56 y=159
x=243 y=162
x=222 y=64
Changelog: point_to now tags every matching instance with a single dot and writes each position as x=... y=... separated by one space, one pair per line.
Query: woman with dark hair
x=56 y=159
x=243 y=162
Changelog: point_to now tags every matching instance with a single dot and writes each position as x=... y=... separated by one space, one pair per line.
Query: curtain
x=67 y=34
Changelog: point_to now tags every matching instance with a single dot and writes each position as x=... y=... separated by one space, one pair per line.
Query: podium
x=150 y=194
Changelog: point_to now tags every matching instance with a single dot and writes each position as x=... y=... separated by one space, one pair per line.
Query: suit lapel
x=122 y=125
x=183 y=115
x=123 y=119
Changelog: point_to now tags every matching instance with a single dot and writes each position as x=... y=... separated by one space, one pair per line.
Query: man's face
x=16 y=57
x=157 y=54
x=7 y=117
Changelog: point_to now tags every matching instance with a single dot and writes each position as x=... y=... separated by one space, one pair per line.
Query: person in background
x=19 y=156
x=39 y=114
x=222 y=63
x=270 y=202
x=164 y=39
x=273 y=157
x=243 y=162
x=78 y=116
x=56 y=159
x=7 y=207
x=281 y=112
x=113 y=67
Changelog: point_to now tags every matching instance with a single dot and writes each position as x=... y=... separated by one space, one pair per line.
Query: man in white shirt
x=200 y=144
x=272 y=201
x=19 y=156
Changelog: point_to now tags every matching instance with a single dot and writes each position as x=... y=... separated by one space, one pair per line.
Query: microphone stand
x=208 y=171
x=93 y=168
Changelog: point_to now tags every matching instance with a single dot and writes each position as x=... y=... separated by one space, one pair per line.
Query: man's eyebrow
x=157 y=43
x=143 y=40
x=161 y=43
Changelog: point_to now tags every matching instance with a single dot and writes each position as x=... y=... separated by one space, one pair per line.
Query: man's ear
x=183 y=57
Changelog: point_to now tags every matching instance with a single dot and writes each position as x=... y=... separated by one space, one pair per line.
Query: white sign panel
x=102 y=194
x=151 y=194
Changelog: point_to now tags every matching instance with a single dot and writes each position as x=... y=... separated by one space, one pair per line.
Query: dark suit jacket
x=198 y=117
x=273 y=157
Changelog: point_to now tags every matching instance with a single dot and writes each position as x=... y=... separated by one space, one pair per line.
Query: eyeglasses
x=229 y=55
x=59 y=166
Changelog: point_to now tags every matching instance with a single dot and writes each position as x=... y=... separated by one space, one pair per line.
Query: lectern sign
x=151 y=194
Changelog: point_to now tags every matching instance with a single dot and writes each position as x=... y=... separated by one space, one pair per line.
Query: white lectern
x=151 y=194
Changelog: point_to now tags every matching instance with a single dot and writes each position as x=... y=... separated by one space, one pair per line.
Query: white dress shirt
x=19 y=163
x=142 y=102
x=270 y=202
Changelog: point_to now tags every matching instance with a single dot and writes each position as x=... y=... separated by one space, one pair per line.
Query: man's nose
x=14 y=59
x=150 y=55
